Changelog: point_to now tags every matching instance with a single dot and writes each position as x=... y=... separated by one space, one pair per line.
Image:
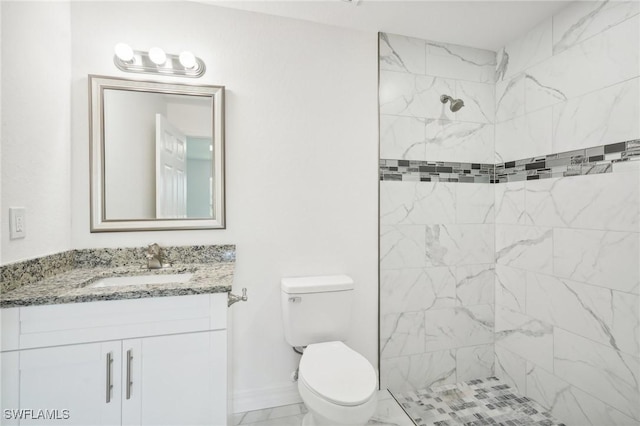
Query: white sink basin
x=141 y=280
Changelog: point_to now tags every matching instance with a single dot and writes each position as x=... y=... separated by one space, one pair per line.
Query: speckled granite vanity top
x=67 y=277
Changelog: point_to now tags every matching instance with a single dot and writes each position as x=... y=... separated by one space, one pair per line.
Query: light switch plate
x=17 y=222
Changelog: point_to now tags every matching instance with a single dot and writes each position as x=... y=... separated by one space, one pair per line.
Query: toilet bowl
x=337 y=384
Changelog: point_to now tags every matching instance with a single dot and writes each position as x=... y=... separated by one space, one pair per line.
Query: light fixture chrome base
x=141 y=63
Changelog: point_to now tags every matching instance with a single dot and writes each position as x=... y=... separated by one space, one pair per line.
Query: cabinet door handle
x=129 y=381
x=109 y=374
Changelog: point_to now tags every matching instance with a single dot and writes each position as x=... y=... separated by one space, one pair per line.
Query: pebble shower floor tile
x=473 y=403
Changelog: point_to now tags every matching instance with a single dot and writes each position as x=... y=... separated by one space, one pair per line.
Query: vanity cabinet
x=61 y=378
x=174 y=380
x=155 y=361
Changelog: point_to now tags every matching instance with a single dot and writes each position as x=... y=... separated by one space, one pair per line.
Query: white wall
x=36 y=53
x=301 y=157
x=194 y=119
x=1 y=38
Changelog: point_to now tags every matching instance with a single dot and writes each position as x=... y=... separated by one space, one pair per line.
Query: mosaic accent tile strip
x=476 y=402
x=435 y=171
x=599 y=159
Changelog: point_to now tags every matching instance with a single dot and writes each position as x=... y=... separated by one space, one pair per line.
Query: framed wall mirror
x=157 y=155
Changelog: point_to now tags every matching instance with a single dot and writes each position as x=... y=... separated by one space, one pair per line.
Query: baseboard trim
x=267 y=397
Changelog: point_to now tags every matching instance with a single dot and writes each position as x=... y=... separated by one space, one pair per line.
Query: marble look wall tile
x=414 y=95
x=415 y=289
x=582 y=309
x=402 y=137
x=474 y=203
x=582 y=20
x=526 y=136
x=626 y=321
x=474 y=362
x=455 y=245
x=402 y=334
x=510 y=203
x=525 y=247
x=510 y=368
x=418 y=203
x=530 y=49
x=418 y=371
x=460 y=62
x=606 y=259
x=510 y=288
x=479 y=102
x=459 y=141
x=510 y=98
x=603 y=117
x=475 y=284
x=459 y=326
x=585 y=202
x=525 y=336
x=570 y=404
x=404 y=54
x=402 y=246
x=611 y=58
x=605 y=373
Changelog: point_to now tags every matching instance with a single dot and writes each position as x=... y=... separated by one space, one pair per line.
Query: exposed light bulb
x=188 y=59
x=157 y=56
x=124 y=52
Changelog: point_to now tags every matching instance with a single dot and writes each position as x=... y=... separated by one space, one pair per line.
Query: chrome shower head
x=456 y=104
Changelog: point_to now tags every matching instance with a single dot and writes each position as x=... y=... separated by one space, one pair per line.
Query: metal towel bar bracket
x=234 y=298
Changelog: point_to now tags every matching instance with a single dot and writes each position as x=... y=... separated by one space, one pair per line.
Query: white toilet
x=337 y=384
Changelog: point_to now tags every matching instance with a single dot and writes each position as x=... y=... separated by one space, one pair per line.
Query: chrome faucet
x=154 y=256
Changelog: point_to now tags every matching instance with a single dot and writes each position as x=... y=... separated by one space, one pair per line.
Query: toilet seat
x=337 y=373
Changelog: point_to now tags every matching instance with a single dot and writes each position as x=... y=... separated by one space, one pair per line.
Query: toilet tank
x=316 y=309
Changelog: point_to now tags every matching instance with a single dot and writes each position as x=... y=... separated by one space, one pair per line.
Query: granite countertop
x=75 y=286
x=70 y=281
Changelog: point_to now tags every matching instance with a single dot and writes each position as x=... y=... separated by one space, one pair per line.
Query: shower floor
x=476 y=402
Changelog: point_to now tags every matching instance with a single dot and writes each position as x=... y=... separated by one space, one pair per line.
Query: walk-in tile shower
x=509 y=229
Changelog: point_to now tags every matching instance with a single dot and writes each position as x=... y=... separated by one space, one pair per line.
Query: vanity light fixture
x=124 y=52
x=157 y=56
x=156 y=61
x=188 y=59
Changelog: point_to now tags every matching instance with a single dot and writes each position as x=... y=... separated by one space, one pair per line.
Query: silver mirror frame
x=99 y=223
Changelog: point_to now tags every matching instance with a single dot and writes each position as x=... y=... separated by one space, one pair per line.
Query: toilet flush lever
x=295 y=299
x=232 y=298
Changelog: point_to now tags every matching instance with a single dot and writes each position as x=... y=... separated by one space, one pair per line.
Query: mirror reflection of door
x=171 y=170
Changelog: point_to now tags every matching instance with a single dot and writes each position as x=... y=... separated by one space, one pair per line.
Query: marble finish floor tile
x=476 y=402
x=388 y=413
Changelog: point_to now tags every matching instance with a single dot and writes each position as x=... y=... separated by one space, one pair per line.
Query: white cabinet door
x=10 y=387
x=73 y=378
x=175 y=380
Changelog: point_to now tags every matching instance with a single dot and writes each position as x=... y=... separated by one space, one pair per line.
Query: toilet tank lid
x=317 y=284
